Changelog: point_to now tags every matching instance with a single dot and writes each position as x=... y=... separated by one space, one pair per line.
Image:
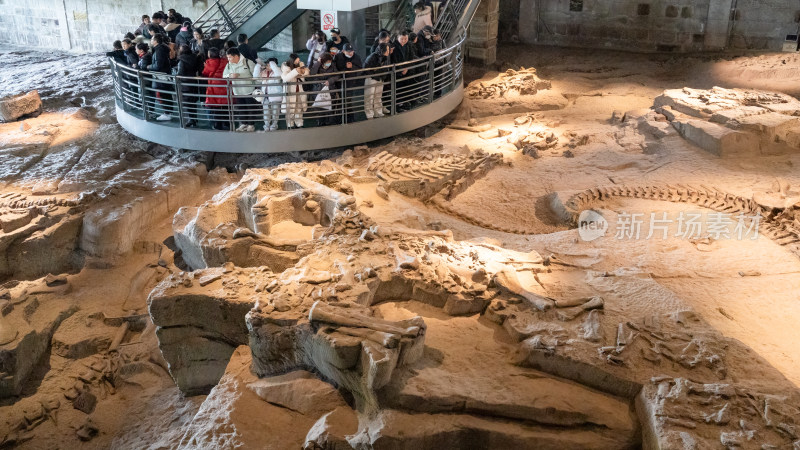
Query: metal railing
x=225 y=104
x=447 y=21
x=227 y=15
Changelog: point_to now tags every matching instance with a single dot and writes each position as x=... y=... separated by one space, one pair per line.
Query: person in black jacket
x=402 y=54
x=152 y=30
x=184 y=37
x=129 y=82
x=373 y=84
x=188 y=67
x=118 y=53
x=245 y=49
x=178 y=17
x=437 y=43
x=172 y=28
x=321 y=68
x=425 y=41
x=383 y=38
x=131 y=58
x=199 y=46
x=145 y=57
x=337 y=42
x=156 y=26
x=161 y=64
x=348 y=61
x=214 y=40
x=159 y=18
x=413 y=39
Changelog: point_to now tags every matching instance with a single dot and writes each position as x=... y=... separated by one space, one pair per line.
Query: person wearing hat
x=337 y=41
x=348 y=61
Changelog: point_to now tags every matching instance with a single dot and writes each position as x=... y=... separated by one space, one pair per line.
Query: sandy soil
x=759 y=310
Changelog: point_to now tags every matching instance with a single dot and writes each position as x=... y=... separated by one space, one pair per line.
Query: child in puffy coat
x=273 y=91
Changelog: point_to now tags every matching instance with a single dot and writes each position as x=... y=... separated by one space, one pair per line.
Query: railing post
x=432 y=77
x=123 y=83
x=179 y=96
x=393 y=87
x=231 y=123
x=453 y=64
x=344 y=103
x=143 y=93
x=118 y=86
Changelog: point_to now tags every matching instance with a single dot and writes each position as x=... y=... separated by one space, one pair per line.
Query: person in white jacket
x=295 y=101
x=272 y=89
x=422 y=17
x=240 y=67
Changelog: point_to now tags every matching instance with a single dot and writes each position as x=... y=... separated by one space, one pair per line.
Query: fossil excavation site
x=574 y=258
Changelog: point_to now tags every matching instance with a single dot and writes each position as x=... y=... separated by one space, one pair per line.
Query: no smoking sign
x=328 y=20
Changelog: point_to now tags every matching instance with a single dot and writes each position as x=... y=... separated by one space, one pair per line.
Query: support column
x=716 y=30
x=353 y=25
x=63 y=27
x=529 y=28
x=482 y=34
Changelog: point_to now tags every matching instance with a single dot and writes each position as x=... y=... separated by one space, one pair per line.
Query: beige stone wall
x=659 y=25
x=81 y=25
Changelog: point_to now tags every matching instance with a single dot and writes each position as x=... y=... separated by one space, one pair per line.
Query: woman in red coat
x=217 y=97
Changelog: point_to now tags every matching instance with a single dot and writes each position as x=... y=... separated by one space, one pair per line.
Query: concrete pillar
x=716 y=32
x=354 y=25
x=155 y=5
x=63 y=26
x=482 y=34
x=529 y=21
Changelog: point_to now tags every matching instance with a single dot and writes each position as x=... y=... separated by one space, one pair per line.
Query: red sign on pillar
x=328 y=19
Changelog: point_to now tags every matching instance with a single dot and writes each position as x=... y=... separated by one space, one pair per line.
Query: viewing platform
x=415 y=94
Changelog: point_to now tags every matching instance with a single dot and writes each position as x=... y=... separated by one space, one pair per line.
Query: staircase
x=403 y=17
x=260 y=20
x=456 y=16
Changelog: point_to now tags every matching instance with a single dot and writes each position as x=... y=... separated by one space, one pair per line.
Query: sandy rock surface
x=443 y=289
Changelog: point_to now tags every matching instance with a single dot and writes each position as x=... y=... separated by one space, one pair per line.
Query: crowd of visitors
x=257 y=91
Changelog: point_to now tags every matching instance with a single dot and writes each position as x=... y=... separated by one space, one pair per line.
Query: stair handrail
x=452 y=17
x=228 y=15
x=401 y=13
